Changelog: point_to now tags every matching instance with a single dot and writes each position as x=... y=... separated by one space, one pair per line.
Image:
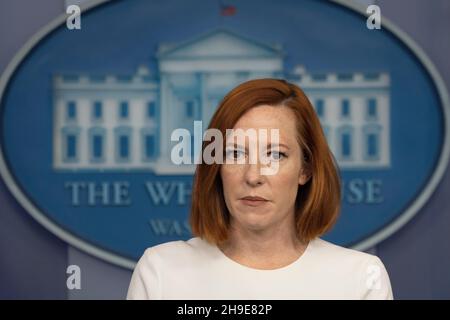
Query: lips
x=253 y=201
x=254 y=198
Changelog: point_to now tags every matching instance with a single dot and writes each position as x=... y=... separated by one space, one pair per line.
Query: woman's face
x=246 y=180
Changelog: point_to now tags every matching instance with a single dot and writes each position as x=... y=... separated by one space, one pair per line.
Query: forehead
x=269 y=117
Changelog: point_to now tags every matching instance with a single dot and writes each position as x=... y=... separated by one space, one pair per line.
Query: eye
x=275 y=155
x=234 y=154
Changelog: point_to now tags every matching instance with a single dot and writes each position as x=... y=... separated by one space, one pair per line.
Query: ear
x=303 y=177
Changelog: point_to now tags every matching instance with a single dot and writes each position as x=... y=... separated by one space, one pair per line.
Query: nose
x=252 y=175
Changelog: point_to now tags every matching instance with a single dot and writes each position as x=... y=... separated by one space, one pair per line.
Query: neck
x=263 y=249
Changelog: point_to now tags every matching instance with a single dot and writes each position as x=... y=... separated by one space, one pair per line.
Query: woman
x=257 y=235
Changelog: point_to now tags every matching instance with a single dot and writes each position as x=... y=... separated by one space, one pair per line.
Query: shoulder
x=365 y=271
x=173 y=253
x=177 y=250
x=146 y=278
x=331 y=252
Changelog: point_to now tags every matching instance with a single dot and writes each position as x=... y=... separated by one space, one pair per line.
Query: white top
x=195 y=269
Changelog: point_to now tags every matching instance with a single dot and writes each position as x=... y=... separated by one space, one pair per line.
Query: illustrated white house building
x=124 y=122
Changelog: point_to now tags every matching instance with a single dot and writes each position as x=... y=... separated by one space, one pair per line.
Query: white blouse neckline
x=234 y=263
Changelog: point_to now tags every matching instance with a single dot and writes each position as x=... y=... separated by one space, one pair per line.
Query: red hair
x=318 y=201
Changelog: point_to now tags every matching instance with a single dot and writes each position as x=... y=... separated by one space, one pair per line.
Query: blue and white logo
x=87 y=115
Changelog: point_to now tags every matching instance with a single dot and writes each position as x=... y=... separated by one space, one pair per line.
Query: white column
x=164 y=125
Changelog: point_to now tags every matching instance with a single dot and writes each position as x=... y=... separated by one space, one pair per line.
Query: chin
x=256 y=224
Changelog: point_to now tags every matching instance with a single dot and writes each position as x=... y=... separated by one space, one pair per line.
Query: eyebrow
x=270 y=145
x=278 y=144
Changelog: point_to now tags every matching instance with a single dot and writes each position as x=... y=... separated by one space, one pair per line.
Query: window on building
x=71 y=146
x=345 y=108
x=372 y=108
x=124 y=110
x=71 y=110
x=97 y=143
x=320 y=107
x=151 y=109
x=150 y=150
x=123 y=143
x=148 y=143
x=70 y=143
x=98 y=110
x=346 y=144
x=372 y=144
x=124 y=146
x=189 y=109
x=98 y=146
x=372 y=141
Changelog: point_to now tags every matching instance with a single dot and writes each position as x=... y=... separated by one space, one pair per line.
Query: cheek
x=231 y=171
x=285 y=181
x=289 y=172
x=229 y=177
x=285 y=188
